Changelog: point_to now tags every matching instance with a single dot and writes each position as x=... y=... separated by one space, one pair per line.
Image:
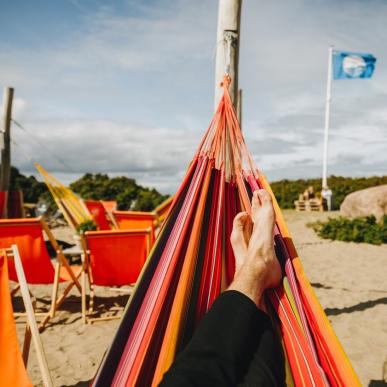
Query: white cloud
x=146 y=153
x=131 y=92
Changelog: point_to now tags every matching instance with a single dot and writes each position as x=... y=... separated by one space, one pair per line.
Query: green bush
x=128 y=194
x=32 y=189
x=287 y=191
x=87 y=225
x=358 y=230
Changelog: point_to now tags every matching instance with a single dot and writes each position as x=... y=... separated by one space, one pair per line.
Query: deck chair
x=3 y=204
x=72 y=207
x=13 y=363
x=162 y=210
x=109 y=205
x=27 y=234
x=129 y=220
x=98 y=212
x=112 y=258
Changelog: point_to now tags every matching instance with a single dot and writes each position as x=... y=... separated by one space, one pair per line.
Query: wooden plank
x=5 y=167
x=47 y=381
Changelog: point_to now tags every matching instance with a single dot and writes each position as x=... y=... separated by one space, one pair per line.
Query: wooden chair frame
x=87 y=277
x=32 y=331
x=55 y=300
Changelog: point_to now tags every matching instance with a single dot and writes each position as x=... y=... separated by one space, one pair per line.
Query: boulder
x=370 y=201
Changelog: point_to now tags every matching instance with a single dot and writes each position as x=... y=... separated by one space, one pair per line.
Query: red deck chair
x=3 y=203
x=112 y=258
x=98 y=212
x=12 y=362
x=15 y=204
x=27 y=234
x=129 y=220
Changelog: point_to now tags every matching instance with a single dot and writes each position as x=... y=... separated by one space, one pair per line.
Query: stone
x=366 y=202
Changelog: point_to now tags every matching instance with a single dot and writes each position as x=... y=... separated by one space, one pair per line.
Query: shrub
x=87 y=225
x=358 y=230
x=127 y=193
x=32 y=189
x=287 y=191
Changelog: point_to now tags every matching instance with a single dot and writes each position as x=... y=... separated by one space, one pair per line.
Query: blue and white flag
x=352 y=65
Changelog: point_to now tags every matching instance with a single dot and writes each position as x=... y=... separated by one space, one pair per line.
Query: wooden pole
x=6 y=135
x=227 y=47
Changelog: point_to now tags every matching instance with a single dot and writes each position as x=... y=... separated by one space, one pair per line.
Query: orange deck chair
x=27 y=234
x=109 y=205
x=12 y=362
x=112 y=258
x=129 y=220
x=98 y=211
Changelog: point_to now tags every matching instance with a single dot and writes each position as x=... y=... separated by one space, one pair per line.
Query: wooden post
x=227 y=47
x=41 y=358
x=6 y=135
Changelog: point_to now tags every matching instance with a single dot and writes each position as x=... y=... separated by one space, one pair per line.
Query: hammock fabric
x=192 y=262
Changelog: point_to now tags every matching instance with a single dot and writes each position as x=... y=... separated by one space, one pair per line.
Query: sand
x=349 y=279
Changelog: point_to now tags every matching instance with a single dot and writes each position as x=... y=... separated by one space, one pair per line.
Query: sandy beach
x=349 y=279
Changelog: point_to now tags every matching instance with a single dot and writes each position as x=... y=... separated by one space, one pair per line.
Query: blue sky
x=126 y=87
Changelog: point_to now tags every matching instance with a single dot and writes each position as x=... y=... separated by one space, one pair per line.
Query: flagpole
x=327 y=119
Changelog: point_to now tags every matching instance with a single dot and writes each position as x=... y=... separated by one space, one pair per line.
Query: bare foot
x=261 y=254
x=257 y=267
x=240 y=236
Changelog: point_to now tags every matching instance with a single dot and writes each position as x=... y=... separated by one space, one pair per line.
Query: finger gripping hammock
x=192 y=262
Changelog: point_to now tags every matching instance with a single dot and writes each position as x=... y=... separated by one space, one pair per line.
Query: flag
x=352 y=65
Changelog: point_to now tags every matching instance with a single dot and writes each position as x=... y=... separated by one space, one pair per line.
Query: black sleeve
x=233 y=345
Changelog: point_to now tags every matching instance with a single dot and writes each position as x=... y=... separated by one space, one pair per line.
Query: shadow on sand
x=85 y=383
x=356 y=308
x=377 y=383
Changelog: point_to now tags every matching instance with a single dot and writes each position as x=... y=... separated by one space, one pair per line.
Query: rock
x=370 y=201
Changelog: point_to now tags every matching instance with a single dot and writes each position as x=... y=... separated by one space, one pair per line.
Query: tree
x=32 y=189
x=127 y=193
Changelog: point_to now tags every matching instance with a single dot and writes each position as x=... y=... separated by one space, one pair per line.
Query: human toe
x=264 y=197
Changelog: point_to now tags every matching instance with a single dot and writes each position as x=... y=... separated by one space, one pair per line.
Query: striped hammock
x=192 y=262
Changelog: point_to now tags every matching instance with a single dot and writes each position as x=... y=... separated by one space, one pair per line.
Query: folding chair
x=162 y=211
x=3 y=204
x=12 y=363
x=109 y=205
x=133 y=220
x=27 y=234
x=112 y=258
x=72 y=207
x=98 y=212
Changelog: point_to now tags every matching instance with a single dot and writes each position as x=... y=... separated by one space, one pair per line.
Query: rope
x=53 y=154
